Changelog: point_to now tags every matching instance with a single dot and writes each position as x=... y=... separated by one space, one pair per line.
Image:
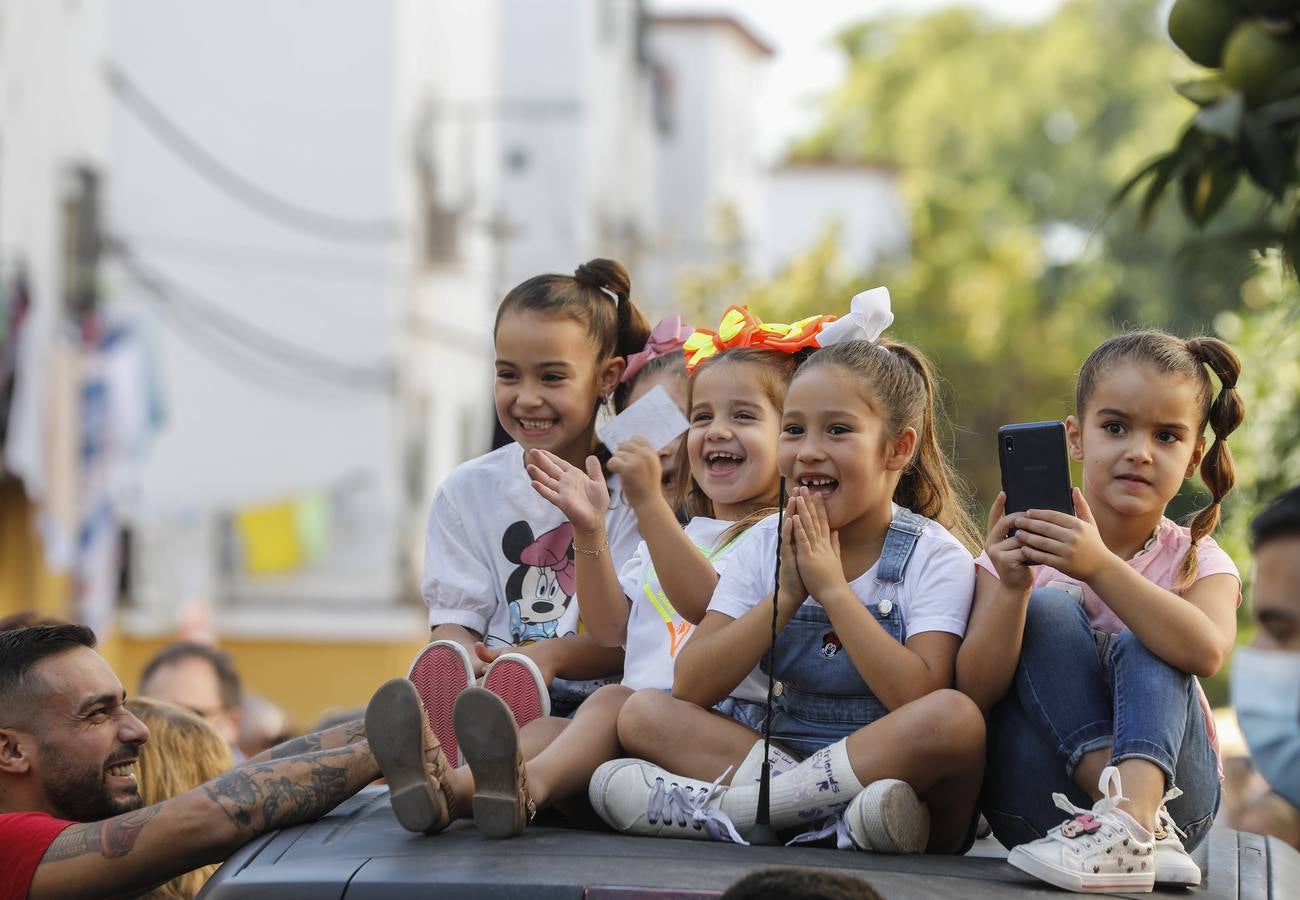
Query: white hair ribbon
x=613 y=296
x=869 y=315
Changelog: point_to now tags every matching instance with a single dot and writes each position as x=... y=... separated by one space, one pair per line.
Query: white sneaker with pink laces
x=1102 y=850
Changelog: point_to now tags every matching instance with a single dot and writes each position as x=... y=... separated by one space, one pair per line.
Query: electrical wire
x=268 y=348
x=191 y=151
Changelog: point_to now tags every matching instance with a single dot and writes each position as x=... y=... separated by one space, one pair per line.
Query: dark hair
x=1279 y=519
x=598 y=295
x=800 y=884
x=901 y=387
x=1190 y=359
x=232 y=692
x=23 y=648
x=776 y=369
x=29 y=618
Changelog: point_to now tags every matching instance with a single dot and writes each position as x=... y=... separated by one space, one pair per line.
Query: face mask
x=1266 y=695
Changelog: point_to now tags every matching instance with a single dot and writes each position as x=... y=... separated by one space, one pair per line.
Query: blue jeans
x=1076 y=691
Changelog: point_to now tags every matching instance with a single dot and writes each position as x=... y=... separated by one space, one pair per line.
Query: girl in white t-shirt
x=727 y=466
x=499 y=560
x=873 y=597
x=1088 y=630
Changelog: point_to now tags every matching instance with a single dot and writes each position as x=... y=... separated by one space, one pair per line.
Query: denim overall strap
x=821 y=697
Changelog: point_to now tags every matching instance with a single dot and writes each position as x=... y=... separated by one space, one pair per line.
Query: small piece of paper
x=654 y=417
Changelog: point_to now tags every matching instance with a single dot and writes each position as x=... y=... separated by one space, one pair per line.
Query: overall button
x=886 y=607
x=778 y=688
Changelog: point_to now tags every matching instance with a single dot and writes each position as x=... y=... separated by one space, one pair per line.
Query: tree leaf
x=1203 y=91
x=1267 y=158
x=1222 y=119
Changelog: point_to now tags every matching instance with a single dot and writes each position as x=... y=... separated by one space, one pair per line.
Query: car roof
x=359 y=852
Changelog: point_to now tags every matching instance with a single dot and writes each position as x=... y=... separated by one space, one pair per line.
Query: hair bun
x=605 y=274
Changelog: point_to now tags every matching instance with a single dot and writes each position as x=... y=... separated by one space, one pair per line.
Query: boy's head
x=1275 y=539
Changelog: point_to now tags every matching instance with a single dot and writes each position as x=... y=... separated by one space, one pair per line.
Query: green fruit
x=1270 y=7
x=1254 y=59
x=1200 y=28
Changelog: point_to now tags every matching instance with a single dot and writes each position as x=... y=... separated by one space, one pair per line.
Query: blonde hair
x=1192 y=359
x=182 y=752
x=898 y=380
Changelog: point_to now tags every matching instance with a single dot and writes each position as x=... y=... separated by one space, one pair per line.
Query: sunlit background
x=250 y=254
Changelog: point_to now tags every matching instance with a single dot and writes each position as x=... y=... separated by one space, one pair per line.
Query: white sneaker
x=1174 y=865
x=637 y=797
x=1091 y=852
x=888 y=817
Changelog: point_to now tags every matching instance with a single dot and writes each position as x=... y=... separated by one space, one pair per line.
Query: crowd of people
x=1042 y=677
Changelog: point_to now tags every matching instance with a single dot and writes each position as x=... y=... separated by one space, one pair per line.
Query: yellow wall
x=25 y=582
x=305 y=679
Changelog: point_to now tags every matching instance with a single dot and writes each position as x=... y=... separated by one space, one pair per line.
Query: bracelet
x=599 y=550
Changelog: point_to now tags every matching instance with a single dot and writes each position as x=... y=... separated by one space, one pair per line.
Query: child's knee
x=640 y=717
x=1052 y=611
x=952 y=725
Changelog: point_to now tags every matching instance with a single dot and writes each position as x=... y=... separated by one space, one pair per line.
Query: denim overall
x=820 y=697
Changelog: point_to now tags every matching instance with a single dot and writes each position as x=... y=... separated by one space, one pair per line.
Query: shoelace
x=1111 y=795
x=1164 y=821
x=670 y=801
x=834 y=826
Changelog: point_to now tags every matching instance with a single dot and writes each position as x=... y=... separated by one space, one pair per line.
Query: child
x=1266 y=675
x=662 y=364
x=499 y=560
x=1111 y=614
x=729 y=466
x=860 y=665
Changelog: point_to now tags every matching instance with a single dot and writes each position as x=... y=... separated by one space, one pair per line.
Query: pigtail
x=1226 y=413
x=929 y=485
x=631 y=330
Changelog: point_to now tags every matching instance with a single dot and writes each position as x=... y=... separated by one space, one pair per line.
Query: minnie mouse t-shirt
x=498 y=558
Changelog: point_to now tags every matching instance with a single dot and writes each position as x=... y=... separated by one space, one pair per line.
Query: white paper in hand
x=654 y=417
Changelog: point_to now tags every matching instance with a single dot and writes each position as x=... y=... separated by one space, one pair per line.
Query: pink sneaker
x=516 y=679
x=440 y=672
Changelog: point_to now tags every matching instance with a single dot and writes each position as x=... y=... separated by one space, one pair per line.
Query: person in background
x=182 y=752
x=201 y=679
x=262 y=724
x=662 y=363
x=1266 y=674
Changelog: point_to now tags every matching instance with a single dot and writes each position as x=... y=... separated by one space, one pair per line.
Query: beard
x=78 y=793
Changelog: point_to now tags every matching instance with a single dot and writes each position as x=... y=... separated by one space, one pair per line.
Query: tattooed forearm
x=111 y=839
x=261 y=796
x=339 y=736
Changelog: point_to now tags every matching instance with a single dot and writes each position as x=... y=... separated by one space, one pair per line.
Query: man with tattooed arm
x=72 y=824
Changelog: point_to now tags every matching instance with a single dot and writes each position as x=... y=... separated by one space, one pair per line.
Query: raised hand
x=1069 y=544
x=637 y=465
x=1005 y=549
x=582 y=496
x=817 y=548
x=793 y=592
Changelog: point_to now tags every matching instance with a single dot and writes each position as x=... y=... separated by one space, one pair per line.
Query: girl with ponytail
x=1089 y=631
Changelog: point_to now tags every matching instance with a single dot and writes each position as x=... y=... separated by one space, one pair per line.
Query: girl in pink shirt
x=1088 y=631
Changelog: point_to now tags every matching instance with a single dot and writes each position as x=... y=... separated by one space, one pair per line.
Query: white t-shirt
x=498 y=558
x=936 y=593
x=655 y=631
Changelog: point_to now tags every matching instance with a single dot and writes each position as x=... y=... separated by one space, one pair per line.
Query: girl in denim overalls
x=873 y=601
x=1095 y=626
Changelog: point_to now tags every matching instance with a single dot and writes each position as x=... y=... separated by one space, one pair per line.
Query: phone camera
x=1010 y=444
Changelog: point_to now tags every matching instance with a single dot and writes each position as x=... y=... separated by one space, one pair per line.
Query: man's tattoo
x=262 y=796
x=111 y=839
x=348 y=733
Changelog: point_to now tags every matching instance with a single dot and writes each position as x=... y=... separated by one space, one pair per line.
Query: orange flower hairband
x=869 y=315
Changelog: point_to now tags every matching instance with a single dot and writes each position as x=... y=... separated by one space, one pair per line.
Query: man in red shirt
x=72 y=824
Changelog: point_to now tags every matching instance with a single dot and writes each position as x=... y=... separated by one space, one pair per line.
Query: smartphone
x=1035 y=468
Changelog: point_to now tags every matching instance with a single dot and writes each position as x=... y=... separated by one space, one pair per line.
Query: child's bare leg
x=1088 y=772
x=683 y=738
x=1144 y=786
x=944 y=765
x=565 y=767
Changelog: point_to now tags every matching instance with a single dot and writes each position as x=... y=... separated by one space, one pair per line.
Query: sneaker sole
x=440 y=672
x=1136 y=882
x=393 y=723
x=516 y=679
x=901 y=823
x=490 y=741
